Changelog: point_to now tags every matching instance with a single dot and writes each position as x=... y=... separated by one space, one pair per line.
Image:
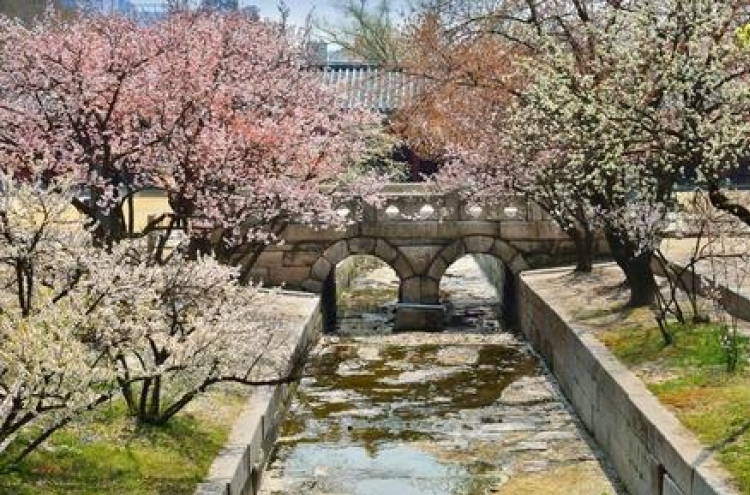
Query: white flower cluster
x=80 y=324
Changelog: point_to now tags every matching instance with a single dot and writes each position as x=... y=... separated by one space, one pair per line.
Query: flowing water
x=468 y=411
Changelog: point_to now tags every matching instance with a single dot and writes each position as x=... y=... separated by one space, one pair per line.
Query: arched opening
x=362 y=292
x=322 y=278
x=486 y=268
x=474 y=290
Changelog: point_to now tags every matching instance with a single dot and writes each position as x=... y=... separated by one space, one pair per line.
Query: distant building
x=317 y=52
x=103 y=6
x=384 y=90
x=251 y=11
x=371 y=86
x=150 y=12
x=221 y=5
x=156 y=9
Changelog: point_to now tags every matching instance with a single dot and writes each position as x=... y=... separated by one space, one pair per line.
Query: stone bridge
x=419 y=233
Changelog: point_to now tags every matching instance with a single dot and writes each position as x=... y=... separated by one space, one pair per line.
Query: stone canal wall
x=652 y=452
x=238 y=468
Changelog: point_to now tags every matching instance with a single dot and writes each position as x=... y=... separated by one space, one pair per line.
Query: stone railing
x=399 y=202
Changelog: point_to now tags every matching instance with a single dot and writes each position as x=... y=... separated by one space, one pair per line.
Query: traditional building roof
x=375 y=87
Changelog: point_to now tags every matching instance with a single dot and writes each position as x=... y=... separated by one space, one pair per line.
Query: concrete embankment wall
x=238 y=468
x=652 y=452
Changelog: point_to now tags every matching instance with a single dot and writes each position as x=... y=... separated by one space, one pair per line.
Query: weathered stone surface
x=423 y=319
x=293 y=276
x=547 y=229
x=385 y=251
x=530 y=446
x=312 y=286
x=453 y=252
x=518 y=264
x=403 y=267
x=430 y=291
x=338 y=252
x=301 y=233
x=420 y=257
x=669 y=487
x=527 y=390
x=408 y=229
x=513 y=230
x=421 y=290
x=321 y=269
x=216 y=488
x=369 y=353
x=466 y=228
x=491 y=231
x=411 y=290
x=645 y=443
x=438 y=267
x=271 y=258
x=420 y=376
x=362 y=245
x=712 y=480
x=300 y=258
x=503 y=250
x=546 y=436
x=478 y=244
x=458 y=355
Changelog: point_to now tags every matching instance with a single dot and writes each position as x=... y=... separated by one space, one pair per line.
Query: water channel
x=468 y=411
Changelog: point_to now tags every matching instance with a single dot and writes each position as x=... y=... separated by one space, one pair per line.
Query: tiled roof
x=377 y=88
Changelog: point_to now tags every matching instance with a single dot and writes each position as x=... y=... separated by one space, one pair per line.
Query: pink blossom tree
x=217 y=110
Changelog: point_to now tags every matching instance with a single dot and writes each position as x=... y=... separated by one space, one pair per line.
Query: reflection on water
x=389 y=470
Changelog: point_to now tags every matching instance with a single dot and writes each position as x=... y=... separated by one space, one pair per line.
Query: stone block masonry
x=419 y=232
x=238 y=468
x=652 y=452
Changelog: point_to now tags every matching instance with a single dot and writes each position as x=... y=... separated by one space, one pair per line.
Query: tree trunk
x=583 y=239
x=637 y=269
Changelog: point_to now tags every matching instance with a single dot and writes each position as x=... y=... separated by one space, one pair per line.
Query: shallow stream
x=468 y=411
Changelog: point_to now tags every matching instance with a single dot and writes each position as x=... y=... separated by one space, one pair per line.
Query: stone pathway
x=467 y=412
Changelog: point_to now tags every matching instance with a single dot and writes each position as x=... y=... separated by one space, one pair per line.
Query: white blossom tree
x=611 y=103
x=80 y=324
x=49 y=372
x=177 y=327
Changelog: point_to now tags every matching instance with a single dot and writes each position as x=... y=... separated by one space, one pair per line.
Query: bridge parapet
x=398 y=203
x=418 y=231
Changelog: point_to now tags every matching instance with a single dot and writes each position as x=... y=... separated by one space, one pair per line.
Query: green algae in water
x=363 y=433
x=377 y=426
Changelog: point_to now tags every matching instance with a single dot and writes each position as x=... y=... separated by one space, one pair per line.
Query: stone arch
x=477 y=244
x=340 y=250
x=512 y=259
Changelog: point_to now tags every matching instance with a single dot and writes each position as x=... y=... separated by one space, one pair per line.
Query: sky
x=323 y=9
x=298 y=9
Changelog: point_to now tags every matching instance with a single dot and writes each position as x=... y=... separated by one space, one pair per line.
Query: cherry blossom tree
x=618 y=102
x=49 y=373
x=472 y=62
x=80 y=324
x=179 y=327
x=217 y=110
